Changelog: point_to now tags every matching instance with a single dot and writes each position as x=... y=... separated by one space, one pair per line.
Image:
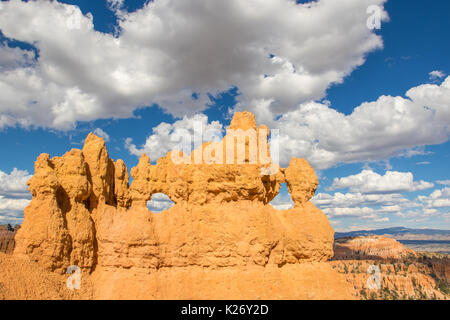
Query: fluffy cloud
x=385 y=219
x=370 y=182
x=282 y=206
x=395 y=208
x=14 y=195
x=435 y=75
x=437 y=199
x=343 y=206
x=340 y=200
x=283 y=201
x=378 y=208
x=13 y=205
x=174 y=53
x=159 y=203
x=115 y=5
x=14 y=184
x=444 y=182
x=12 y=58
x=166 y=137
x=430 y=211
x=4 y=219
x=388 y=127
x=102 y=134
x=368 y=207
x=355 y=212
x=11 y=210
x=446 y=217
x=348 y=212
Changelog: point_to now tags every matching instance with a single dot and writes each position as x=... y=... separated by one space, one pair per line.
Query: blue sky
x=394 y=172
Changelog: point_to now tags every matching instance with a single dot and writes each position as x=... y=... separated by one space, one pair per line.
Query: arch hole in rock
x=159 y=203
x=283 y=200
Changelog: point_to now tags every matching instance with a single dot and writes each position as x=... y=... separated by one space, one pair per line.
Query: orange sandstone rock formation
x=404 y=274
x=370 y=248
x=221 y=232
x=7 y=242
x=27 y=280
x=399 y=280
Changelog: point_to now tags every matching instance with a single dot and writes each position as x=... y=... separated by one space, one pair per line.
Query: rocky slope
x=405 y=280
x=220 y=240
x=370 y=248
x=402 y=273
x=23 y=279
x=7 y=242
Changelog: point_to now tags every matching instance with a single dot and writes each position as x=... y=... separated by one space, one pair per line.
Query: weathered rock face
x=441 y=268
x=7 y=242
x=84 y=213
x=58 y=230
x=403 y=273
x=399 y=280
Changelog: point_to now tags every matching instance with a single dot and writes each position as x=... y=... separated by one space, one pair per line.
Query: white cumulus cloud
x=437 y=199
x=370 y=182
x=13 y=205
x=14 y=195
x=395 y=208
x=168 y=137
x=12 y=58
x=14 y=184
x=434 y=75
x=389 y=127
x=282 y=201
x=102 y=134
x=379 y=130
x=174 y=53
x=349 y=212
x=11 y=210
x=325 y=200
x=159 y=203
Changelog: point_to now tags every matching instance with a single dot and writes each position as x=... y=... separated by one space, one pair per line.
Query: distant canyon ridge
x=400 y=233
